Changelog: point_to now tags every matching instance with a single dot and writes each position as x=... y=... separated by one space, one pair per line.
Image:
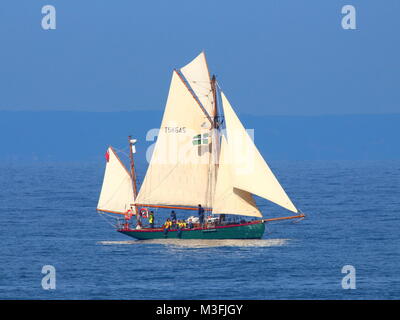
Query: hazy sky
x=270 y=57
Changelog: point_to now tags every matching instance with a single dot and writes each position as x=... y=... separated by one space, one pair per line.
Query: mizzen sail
x=116 y=194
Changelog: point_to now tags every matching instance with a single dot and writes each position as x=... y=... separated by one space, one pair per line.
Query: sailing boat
x=203 y=156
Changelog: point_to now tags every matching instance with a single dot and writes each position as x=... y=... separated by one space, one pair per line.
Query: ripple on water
x=202 y=243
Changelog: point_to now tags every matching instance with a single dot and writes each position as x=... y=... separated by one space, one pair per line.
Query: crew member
x=183 y=224
x=173 y=219
x=221 y=218
x=151 y=219
x=167 y=226
x=173 y=216
x=201 y=214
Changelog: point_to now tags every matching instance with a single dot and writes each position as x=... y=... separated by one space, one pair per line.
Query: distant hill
x=84 y=136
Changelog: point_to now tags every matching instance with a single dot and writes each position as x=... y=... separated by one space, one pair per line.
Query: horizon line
x=241 y=113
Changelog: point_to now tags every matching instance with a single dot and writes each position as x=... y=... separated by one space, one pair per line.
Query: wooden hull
x=250 y=230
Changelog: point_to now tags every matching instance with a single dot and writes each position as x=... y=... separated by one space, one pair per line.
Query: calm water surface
x=47 y=216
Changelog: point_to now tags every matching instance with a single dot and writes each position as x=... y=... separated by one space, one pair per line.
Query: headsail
x=227 y=198
x=117 y=191
x=251 y=173
x=178 y=173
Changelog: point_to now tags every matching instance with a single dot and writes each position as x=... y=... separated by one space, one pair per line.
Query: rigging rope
x=103 y=217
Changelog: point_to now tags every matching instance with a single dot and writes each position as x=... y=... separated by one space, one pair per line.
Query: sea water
x=48 y=217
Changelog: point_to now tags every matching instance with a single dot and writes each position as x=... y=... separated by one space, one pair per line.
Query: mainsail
x=178 y=173
x=117 y=191
x=250 y=172
x=197 y=76
x=227 y=198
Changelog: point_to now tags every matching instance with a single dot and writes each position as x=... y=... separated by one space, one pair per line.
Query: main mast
x=133 y=173
x=215 y=111
x=215 y=143
x=216 y=120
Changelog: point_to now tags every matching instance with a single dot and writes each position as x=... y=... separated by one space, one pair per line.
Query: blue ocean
x=48 y=217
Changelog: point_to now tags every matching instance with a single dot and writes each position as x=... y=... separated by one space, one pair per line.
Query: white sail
x=178 y=173
x=251 y=173
x=227 y=198
x=117 y=191
x=197 y=75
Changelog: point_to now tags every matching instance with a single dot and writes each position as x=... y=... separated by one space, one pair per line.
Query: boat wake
x=202 y=243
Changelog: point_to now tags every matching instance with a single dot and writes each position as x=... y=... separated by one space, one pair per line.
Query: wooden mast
x=215 y=111
x=133 y=174
x=216 y=148
x=216 y=121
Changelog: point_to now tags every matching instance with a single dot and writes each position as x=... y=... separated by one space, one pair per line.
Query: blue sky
x=270 y=57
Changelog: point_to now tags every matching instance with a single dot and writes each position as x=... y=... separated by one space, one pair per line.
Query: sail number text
x=175 y=129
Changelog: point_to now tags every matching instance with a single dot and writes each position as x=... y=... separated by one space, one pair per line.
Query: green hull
x=252 y=230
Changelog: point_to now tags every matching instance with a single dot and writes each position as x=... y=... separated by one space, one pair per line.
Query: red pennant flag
x=107 y=155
